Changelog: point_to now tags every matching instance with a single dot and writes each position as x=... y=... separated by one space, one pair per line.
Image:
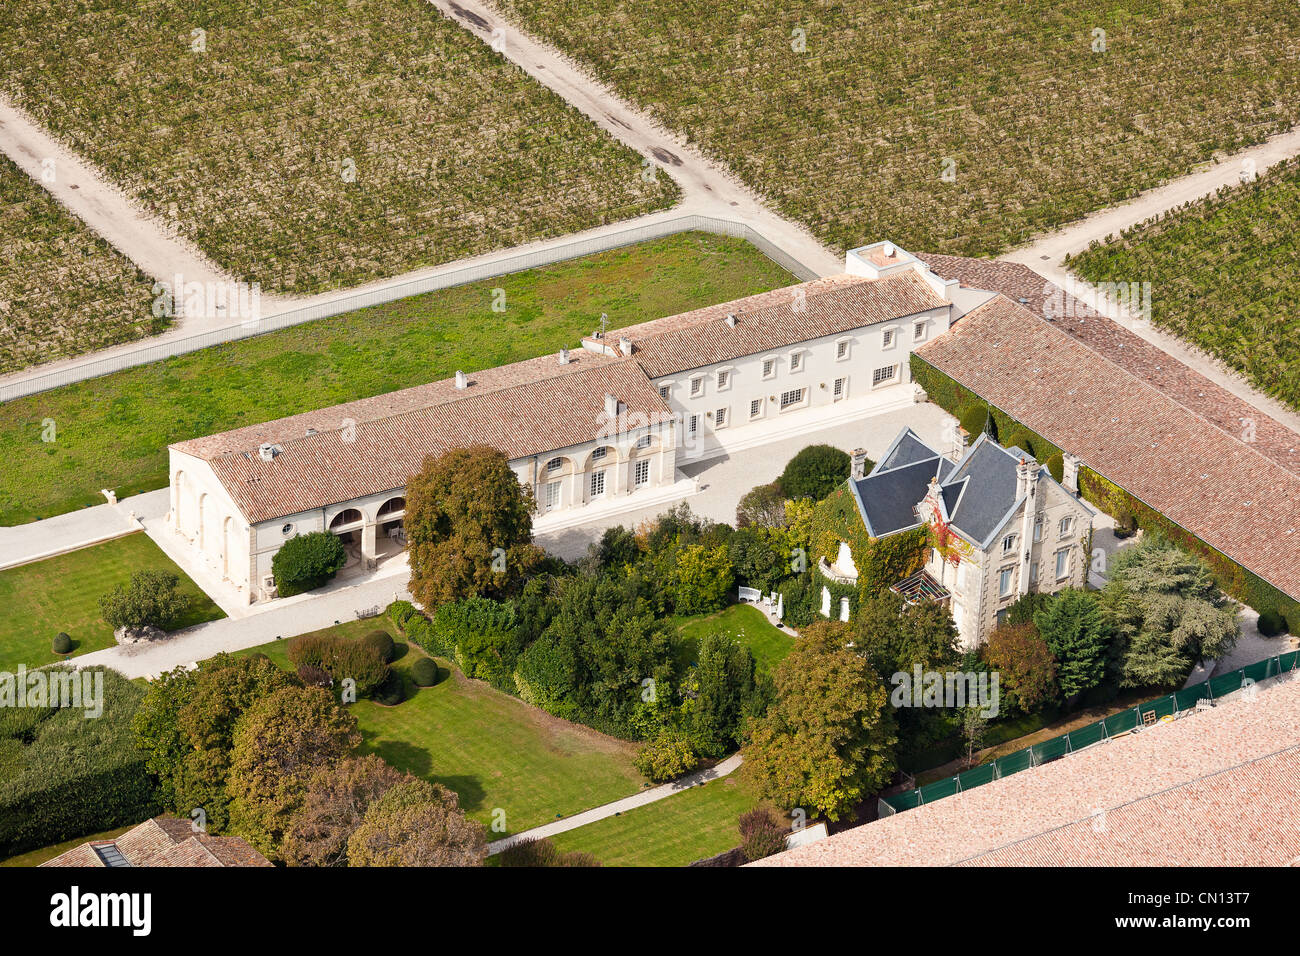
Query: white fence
x=487 y=270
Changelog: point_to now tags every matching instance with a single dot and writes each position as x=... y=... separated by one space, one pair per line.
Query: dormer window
x=724 y=379
x=887 y=339
x=918 y=331
x=796 y=361
x=697 y=386
x=769 y=367
x=841 y=350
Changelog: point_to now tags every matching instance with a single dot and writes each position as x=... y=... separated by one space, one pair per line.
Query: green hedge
x=1231 y=577
x=70 y=775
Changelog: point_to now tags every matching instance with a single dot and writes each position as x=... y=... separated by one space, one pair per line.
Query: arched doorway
x=391 y=532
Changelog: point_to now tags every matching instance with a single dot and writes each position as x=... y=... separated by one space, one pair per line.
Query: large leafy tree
x=333 y=806
x=702 y=579
x=469 y=524
x=1025 y=665
x=186 y=726
x=151 y=598
x=417 y=824
x=815 y=472
x=722 y=687
x=279 y=744
x=1167 y=613
x=828 y=740
x=1078 y=635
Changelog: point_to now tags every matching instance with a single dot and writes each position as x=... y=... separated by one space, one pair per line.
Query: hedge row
x=71 y=775
x=1231 y=577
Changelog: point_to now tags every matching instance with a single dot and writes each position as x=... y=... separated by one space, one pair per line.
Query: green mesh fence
x=1144 y=714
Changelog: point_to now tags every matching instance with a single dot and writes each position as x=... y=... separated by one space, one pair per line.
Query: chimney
x=611 y=406
x=1070 y=473
x=1026 y=477
x=859 y=463
x=625 y=345
x=461 y=380
x=564 y=356
x=731 y=319
x=266 y=451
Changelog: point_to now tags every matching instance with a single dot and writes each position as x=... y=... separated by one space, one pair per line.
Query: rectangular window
x=724 y=379
x=642 y=473
x=838 y=390
x=1008 y=543
x=1004 y=581
x=553 y=494
x=1062 y=564
x=887 y=339
x=791 y=398
x=644 y=441
x=665 y=391
x=697 y=387
x=769 y=368
x=918 y=331
x=796 y=358
x=692 y=424
x=1066 y=524
x=1038 y=529
x=841 y=350
x=597 y=484
x=756 y=408
x=882 y=376
x=1033 y=574
x=720 y=418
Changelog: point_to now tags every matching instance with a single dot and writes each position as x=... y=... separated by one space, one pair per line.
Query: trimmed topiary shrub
x=425 y=672
x=973 y=418
x=392 y=691
x=1271 y=623
x=815 y=472
x=1056 y=466
x=1023 y=439
x=382 y=643
x=307 y=561
x=62 y=643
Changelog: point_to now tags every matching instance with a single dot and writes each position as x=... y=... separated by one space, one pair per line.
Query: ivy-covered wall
x=881 y=562
x=1234 y=579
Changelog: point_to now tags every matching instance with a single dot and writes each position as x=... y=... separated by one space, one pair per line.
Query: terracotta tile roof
x=1212 y=788
x=165 y=841
x=774 y=319
x=522 y=419
x=1127 y=349
x=1223 y=490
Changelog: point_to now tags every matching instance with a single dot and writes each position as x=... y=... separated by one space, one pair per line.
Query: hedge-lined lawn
x=315 y=144
x=746 y=624
x=493 y=750
x=1223 y=275
x=676 y=831
x=63 y=289
x=39 y=600
x=113 y=432
x=852 y=135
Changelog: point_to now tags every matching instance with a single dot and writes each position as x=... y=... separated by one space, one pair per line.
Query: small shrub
x=392 y=691
x=760 y=834
x=150 y=598
x=1125 y=523
x=542 y=852
x=666 y=757
x=973 y=418
x=1056 y=466
x=425 y=672
x=1271 y=623
x=341 y=658
x=307 y=561
x=62 y=643
x=314 y=676
x=815 y=472
x=382 y=644
x=401 y=613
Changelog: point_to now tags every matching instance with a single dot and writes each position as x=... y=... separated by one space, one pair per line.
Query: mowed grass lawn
x=1223 y=275
x=113 y=432
x=960 y=127
x=743 y=623
x=495 y=751
x=313 y=144
x=676 y=831
x=63 y=289
x=62 y=593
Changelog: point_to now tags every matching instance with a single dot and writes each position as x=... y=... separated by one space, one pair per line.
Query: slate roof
x=162 y=841
x=1227 y=492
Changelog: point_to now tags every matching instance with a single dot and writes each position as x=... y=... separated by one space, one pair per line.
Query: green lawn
x=746 y=624
x=113 y=432
x=62 y=594
x=1223 y=276
x=688 y=826
x=494 y=750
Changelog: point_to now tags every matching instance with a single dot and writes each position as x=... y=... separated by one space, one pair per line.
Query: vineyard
x=315 y=144
x=1223 y=276
x=63 y=290
x=958 y=126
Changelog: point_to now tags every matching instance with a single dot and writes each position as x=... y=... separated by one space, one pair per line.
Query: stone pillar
x=368 y=545
x=858 y=459
x=1070 y=472
x=1027 y=472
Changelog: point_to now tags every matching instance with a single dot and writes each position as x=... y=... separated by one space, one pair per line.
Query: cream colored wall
x=203 y=515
